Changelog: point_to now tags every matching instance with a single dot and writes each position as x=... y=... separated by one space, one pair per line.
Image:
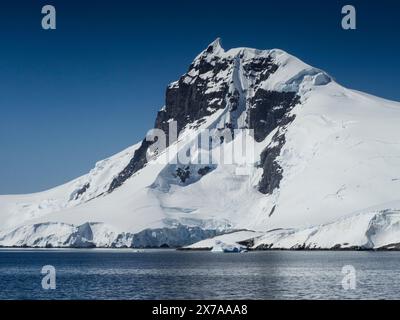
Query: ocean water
x=170 y=274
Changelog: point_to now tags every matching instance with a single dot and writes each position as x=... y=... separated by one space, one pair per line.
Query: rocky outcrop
x=78 y=193
x=272 y=171
x=138 y=162
x=187 y=102
x=215 y=81
x=269 y=110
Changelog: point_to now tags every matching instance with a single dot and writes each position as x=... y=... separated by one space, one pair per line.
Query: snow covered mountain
x=326 y=169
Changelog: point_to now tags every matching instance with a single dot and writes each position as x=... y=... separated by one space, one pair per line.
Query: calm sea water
x=168 y=274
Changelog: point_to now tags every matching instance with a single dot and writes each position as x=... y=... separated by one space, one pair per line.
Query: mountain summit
x=325 y=171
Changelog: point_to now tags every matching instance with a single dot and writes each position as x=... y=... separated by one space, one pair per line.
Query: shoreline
x=183 y=249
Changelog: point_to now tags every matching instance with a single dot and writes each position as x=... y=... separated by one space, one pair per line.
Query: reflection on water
x=169 y=274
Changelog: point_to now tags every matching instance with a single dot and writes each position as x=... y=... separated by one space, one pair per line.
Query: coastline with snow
x=377 y=230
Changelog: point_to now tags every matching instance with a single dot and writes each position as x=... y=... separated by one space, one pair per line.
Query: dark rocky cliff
x=214 y=82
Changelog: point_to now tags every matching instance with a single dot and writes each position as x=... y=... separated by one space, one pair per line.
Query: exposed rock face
x=187 y=101
x=138 y=161
x=203 y=171
x=234 y=82
x=78 y=193
x=270 y=109
x=183 y=174
x=272 y=171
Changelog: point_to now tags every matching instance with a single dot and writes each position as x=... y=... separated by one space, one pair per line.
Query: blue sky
x=90 y=88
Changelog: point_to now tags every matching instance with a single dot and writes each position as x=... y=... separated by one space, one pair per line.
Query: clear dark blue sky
x=92 y=87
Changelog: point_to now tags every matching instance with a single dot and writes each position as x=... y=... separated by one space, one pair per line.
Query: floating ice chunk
x=227 y=248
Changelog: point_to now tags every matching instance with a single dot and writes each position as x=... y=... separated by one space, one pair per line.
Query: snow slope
x=18 y=209
x=324 y=155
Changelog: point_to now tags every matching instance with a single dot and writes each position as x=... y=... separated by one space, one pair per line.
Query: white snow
x=367 y=230
x=229 y=240
x=17 y=209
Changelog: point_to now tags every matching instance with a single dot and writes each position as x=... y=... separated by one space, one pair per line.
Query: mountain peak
x=312 y=144
x=215 y=46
